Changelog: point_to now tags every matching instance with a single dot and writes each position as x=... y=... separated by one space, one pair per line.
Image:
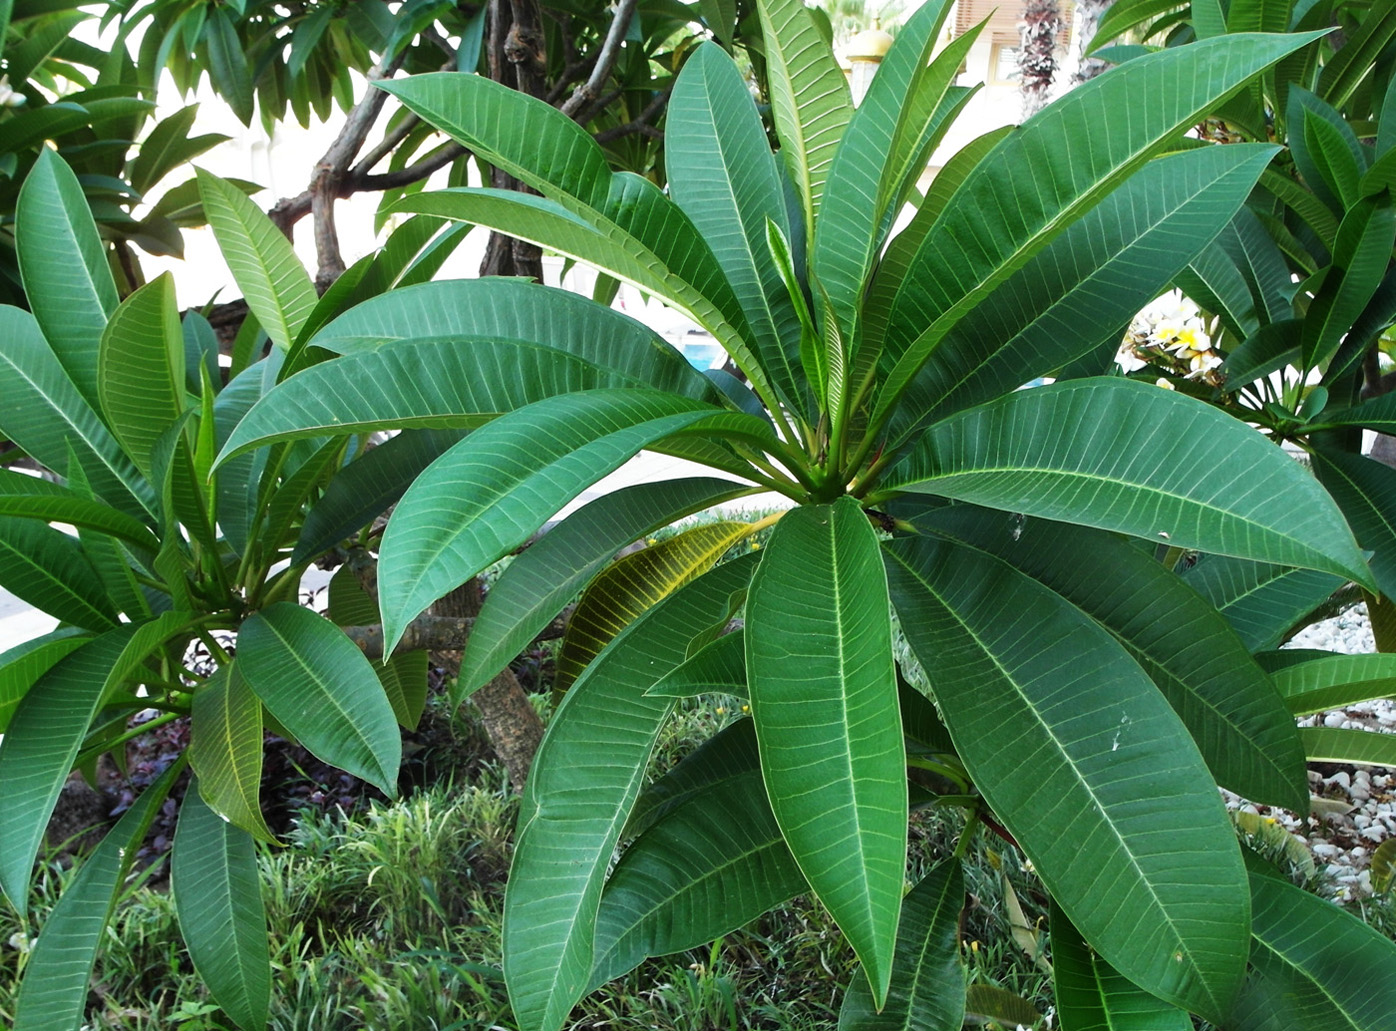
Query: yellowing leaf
x=622 y=592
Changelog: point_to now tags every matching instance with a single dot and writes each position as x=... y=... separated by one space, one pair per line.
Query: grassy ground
x=390 y=918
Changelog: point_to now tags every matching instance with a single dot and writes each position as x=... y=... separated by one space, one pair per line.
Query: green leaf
x=431 y=384
x=227 y=65
x=53 y=996
x=584 y=780
x=1383 y=866
x=1244 y=731
x=634 y=583
x=225 y=749
x=549 y=573
x=708 y=866
x=877 y=154
x=1361 y=255
x=620 y=223
x=1184 y=494
x=367 y=487
x=1315 y=966
x=321 y=688
x=723 y=175
x=168 y=146
x=810 y=101
x=1332 y=683
x=1365 y=490
x=22 y=665
x=515 y=471
x=48 y=569
x=1074 y=295
x=404 y=676
x=824 y=701
x=725 y=758
x=218 y=896
x=1153 y=880
x=1081 y=148
x=47 y=730
x=30 y=497
x=1358 y=747
x=1092 y=996
x=1261 y=602
x=716 y=668
x=270 y=276
x=1328 y=148
x=140 y=370
x=984 y=1002
x=1353 y=60
x=927 y=992
x=46 y=416
x=64 y=265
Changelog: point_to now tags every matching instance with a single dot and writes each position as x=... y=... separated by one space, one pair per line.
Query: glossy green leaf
x=267 y=271
x=810 y=101
x=876 y=154
x=1073 y=296
x=1183 y=493
x=1216 y=285
x=1082 y=147
x=1352 y=62
x=723 y=175
x=927 y=992
x=48 y=569
x=53 y=995
x=584 y=780
x=1315 y=966
x=1365 y=490
x=824 y=700
x=218 y=895
x=64 y=266
x=404 y=676
x=1333 y=683
x=225 y=749
x=367 y=487
x=1090 y=995
x=140 y=373
x=989 y=1002
x=1361 y=254
x=31 y=497
x=421 y=384
x=1242 y=728
x=319 y=686
x=545 y=577
x=46 y=416
x=1163 y=898
x=487 y=495
x=227 y=65
x=725 y=758
x=708 y=866
x=25 y=663
x=619 y=593
x=716 y=668
x=47 y=730
x=620 y=223
x=1262 y=602
x=168 y=146
x=1358 y=747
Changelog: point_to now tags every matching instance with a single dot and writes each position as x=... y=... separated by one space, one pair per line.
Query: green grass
x=389 y=917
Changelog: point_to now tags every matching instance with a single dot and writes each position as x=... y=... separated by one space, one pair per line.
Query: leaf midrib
x=1106 y=818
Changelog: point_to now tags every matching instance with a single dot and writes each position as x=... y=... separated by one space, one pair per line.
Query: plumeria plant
x=1084 y=702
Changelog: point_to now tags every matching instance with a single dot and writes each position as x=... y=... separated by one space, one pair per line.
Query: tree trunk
x=510 y=720
x=1037 y=60
x=1088 y=15
x=517 y=60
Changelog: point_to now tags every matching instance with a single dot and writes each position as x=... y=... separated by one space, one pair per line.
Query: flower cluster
x=1173 y=340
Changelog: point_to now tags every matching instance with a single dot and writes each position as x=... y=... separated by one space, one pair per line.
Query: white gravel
x=1354 y=806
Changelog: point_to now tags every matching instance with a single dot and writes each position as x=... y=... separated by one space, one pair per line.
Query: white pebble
x=1334 y=719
